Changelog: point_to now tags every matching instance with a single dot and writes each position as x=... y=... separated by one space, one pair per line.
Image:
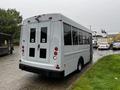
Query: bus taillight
x=55 y=53
x=23 y=50
x=56 y=49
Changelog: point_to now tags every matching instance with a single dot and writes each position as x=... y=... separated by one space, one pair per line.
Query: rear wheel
x=79 y=66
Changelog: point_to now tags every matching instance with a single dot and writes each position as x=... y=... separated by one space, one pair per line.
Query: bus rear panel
x=41 y=46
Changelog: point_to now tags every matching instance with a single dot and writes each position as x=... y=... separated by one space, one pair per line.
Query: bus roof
x=54 y=17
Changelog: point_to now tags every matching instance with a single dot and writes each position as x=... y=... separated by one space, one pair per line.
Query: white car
x=103 y=46
x=116 y=45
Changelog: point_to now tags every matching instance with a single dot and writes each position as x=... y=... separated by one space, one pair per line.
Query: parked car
x=116 y=45
x=95 y=45
x=103 y=45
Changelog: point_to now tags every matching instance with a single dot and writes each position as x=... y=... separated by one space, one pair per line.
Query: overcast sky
x=100 y=14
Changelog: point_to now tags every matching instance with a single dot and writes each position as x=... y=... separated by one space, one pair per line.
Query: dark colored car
x=116 y=45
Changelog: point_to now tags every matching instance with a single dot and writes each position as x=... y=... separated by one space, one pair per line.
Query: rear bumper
x=46 y=72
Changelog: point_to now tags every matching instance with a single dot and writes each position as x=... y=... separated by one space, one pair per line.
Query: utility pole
x=90 y=27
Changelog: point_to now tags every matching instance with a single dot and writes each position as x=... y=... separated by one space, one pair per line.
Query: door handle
x=38 y=46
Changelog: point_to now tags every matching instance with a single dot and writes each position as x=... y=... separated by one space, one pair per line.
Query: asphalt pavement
x=12 y=78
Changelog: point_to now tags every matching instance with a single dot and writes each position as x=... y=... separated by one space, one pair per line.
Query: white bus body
x=53 y=44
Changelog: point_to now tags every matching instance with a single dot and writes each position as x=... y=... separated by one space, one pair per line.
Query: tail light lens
x=23 y=50
x=55 y=53
x=56 y=49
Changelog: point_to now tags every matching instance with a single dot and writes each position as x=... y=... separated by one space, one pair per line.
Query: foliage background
x=10 y=23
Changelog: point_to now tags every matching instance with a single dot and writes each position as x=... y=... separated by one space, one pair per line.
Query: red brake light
x=55 y=53
x=56 y=49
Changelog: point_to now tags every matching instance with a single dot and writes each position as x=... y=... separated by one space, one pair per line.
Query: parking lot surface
x=100 y=53
x=12 y=78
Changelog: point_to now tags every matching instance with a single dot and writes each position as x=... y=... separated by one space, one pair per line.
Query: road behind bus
x=12 y=78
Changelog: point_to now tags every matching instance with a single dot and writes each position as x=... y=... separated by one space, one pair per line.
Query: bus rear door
x=38 y=42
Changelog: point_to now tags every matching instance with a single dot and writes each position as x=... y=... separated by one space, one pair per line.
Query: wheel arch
x=81 y=59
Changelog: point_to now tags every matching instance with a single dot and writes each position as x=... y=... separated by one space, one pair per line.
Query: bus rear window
x=43 y=35
x=42 y=53
x=32 y=52
x=32 y=35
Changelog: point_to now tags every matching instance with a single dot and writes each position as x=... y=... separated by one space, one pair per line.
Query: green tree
x=10 y=21
x=117 y=37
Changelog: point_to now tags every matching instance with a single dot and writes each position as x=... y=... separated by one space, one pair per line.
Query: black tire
x=11 y=51
x=79 y=66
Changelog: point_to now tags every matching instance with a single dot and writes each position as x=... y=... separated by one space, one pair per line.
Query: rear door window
x=32 y=35
x=32 y=52
x=43 y=35
x=43 y=53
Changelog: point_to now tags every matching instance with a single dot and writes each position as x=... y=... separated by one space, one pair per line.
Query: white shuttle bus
x=54 y=45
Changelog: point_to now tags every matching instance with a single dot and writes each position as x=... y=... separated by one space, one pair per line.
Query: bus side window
x=80 y=38
x=67 y=34
x=75 y=36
